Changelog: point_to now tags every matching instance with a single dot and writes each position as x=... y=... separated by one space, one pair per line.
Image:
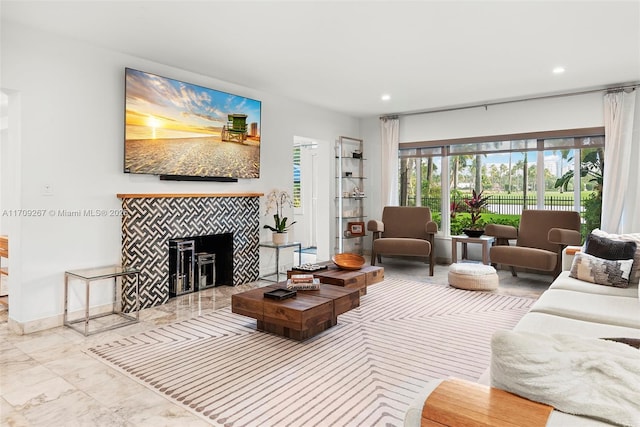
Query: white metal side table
x=88 y=275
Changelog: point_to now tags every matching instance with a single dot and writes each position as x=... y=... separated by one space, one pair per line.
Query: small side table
x=89 y=275
x=277 y=248
x=568 y=254
x=485 y=241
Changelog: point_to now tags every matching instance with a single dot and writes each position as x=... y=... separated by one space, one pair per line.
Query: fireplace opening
x=200 y=262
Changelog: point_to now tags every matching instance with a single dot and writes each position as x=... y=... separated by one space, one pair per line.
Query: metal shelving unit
x=350 y=195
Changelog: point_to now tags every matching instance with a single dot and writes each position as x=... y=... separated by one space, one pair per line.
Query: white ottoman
x=473 y=277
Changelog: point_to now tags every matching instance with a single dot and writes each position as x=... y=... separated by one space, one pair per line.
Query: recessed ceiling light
x=558 y=70
x=385 y=97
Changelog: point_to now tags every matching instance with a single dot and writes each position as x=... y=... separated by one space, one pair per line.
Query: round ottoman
x=473 y=277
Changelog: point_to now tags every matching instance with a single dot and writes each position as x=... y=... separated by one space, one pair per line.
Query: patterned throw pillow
x=601 y=271
x=634 y=237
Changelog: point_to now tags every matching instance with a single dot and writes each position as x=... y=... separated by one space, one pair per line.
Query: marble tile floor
x=47 y=380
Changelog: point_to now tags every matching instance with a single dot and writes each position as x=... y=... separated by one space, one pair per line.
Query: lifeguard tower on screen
x=236 y=128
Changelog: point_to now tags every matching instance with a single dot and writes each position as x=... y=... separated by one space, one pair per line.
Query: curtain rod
x=617 y=88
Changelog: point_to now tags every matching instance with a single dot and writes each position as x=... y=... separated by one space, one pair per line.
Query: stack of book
x=303 y=282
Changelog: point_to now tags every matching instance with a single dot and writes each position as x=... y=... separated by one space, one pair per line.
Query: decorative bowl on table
x=348 y=261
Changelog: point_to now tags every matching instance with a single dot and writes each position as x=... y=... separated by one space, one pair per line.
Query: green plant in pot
x=275 y=203
x=475 y=206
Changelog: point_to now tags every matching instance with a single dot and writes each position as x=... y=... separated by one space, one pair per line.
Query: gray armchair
x=404 y=231
x=540 y=240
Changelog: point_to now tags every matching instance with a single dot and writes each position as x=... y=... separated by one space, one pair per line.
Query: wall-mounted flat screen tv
x=180 y=130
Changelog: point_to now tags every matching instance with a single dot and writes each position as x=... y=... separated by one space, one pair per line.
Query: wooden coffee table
x=301 y=317
x=351 y=279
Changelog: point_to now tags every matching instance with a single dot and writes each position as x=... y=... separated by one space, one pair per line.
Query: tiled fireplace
x=150 y=221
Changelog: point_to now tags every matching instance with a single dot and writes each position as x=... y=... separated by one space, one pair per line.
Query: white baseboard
x=34 y=325
x=51 y=322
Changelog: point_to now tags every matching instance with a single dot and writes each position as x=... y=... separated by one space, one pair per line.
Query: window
x=420 y=179
x=532 y=172
x=297 y=188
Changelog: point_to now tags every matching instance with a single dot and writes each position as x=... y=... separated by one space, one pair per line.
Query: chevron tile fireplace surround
x=151 y=220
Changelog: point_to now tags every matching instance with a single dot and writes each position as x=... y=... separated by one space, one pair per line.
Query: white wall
x=530 y=116
x=72 y=131
x=4 y=146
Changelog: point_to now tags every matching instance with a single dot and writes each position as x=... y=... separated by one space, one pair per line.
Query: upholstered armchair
x=540 y=239
x=404 y=231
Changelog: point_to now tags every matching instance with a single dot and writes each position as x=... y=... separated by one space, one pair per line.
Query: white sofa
x=571 y=307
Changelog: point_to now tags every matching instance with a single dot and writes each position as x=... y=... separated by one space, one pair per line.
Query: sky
x=162 y=103
x=552 y=161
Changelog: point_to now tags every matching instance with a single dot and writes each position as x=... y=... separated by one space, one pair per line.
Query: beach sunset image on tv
x=180 y=129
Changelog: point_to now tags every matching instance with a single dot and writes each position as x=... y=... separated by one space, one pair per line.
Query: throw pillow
x=601 y=271
x=602 y=247
x=635 y=237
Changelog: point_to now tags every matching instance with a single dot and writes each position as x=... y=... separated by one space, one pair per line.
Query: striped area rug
x=365 y=371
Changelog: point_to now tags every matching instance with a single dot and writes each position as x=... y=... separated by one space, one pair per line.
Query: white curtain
x=389 y=128
x=621 y=181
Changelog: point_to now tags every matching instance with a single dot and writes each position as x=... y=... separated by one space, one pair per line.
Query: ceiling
x=343 y=55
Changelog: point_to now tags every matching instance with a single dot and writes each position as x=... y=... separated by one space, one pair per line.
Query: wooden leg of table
x=454 y=251
x=485 y=253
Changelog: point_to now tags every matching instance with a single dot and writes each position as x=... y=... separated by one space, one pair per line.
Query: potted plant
x=475 y=206
x=276 y=201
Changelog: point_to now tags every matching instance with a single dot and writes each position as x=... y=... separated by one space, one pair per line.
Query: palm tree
x=458 y=162
x=455 y=161
x=510 y=153
x=429 y=176
x=478 y=165
x=503 y=173
x=404 y=172
x=591 y=165
x=532 y=177
x=524 y=180
x=564 y=155
x=494 y=174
